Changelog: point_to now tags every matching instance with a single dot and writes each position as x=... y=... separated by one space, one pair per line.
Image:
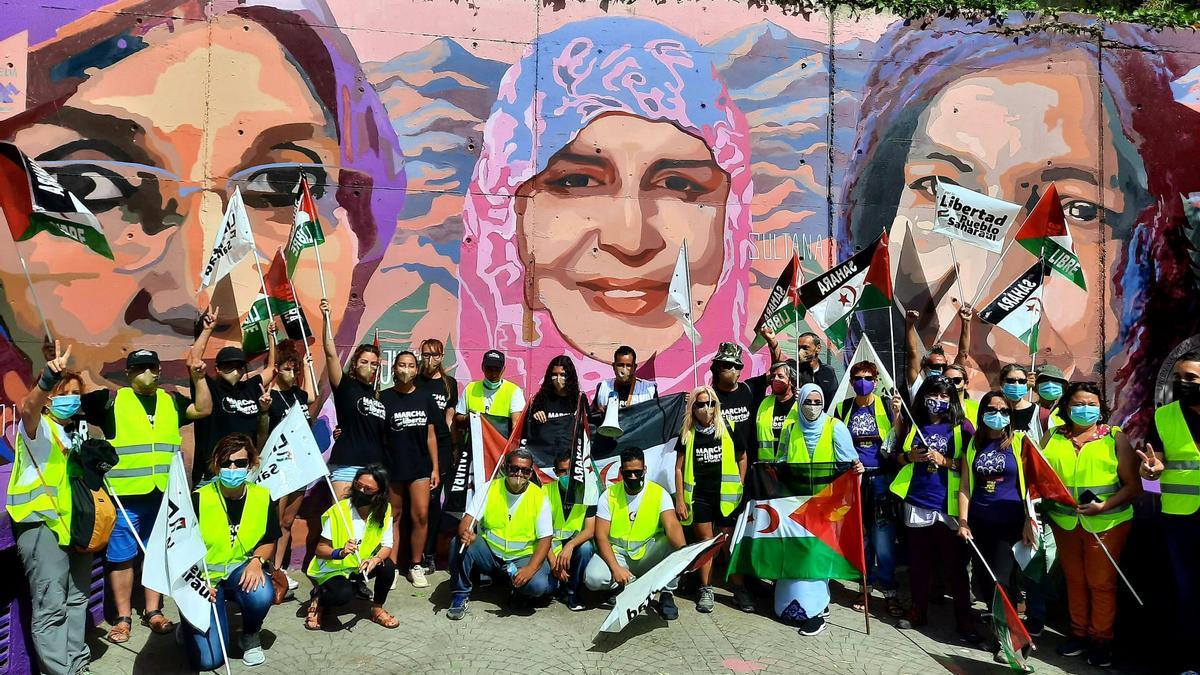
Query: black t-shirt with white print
x=361 y=418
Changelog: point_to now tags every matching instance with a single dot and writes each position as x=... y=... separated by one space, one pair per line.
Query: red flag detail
x=834 y=516
x=1045 y=220
x=880 y=273
x=495 y=445
x=1010 y=632
x=16 y=199
x=278 y=286
x=1041 y=481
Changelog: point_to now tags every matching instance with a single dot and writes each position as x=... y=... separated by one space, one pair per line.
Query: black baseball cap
x=140 y=358
x=230 y=355
x=493 y=358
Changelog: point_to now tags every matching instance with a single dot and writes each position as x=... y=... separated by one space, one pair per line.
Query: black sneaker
x=1074 y=646
x=970 y=636
x=743 y=600
x=811 y=627
x=666 y=606
x=1035 y=627
x=611 y=600
x=1100 y=654
x=429 y=564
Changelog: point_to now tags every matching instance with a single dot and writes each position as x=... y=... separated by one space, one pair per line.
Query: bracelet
x=338 y=554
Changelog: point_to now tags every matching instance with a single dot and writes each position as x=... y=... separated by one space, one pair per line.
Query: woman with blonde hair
x=709 y=473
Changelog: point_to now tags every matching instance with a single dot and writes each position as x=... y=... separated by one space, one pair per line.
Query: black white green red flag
x=1018 y=308
x=861 y=282
x=783 y=307
x=33 y=201
x=306 y=227
x=1014 y=640
x=1045 y=234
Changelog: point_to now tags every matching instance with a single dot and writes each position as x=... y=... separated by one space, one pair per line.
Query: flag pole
x=37 y=304
x=474 y=518
x=217 y=620
x=320 y=271
x=121 y=507
x=1118 y=569
x=957 y=272
x=687 y=268
x=863 y=549
x=304 y=334
x=263 y=280
x=337 y=500
x=992 y=273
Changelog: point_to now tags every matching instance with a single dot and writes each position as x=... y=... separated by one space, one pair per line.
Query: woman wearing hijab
x=934 y=441
x=797 y=600
x=558 y=253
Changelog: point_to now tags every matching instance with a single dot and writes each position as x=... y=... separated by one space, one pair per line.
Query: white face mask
x=811 y=413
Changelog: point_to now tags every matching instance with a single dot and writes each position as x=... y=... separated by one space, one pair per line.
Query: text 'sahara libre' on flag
x=861 y=282
x=33 y=201
x=973 y=218
x=175 y=551
x=291 y=458
x=783 y=307
x=234 y=241
x=1018 y=308
x=1014 y=640
x=1041 y=481
x=306 y=226
x=1045 y=234
x=652 y=426
x=802 y=521
x=679 y=295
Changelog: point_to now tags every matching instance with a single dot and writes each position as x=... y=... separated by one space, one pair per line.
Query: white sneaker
x=253 y=657
x=293 y=584
x=417 y=575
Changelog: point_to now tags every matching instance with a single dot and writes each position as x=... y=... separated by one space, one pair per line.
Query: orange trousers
x=1091 y=578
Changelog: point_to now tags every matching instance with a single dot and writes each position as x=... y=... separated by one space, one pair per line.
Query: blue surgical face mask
x=1050 y=391
x=64 y=407
x=933 y=372
x=995 y=420
x=936 y=406
x=1015 y=392
x=1085 y=415
x=491 y=386
x=232 y=478
x=564 y=481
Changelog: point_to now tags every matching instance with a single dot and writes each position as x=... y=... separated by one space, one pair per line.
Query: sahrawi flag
x=175 y=552
x=1018 y=308
x=679 y=295
x=976 y=219
x=862 y=282
x=566 y=432
x=652 y=426
x=802 y=521
x=233 y=243
x=1044 y=234
x=33 y=201
x=1014 y=640
x=783 y=305
x=283 y=304
x=306 y=226
x=291 y=459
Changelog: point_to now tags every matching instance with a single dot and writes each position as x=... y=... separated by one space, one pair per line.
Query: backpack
x=92 y=517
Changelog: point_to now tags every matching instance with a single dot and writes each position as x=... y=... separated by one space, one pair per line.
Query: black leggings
x=340 y=590
x=995 y=541
x=927 y=546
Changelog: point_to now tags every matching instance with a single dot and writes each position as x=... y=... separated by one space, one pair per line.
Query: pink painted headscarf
x=566 y=79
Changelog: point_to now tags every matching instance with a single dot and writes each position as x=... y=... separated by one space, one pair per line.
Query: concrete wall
x=520 y=175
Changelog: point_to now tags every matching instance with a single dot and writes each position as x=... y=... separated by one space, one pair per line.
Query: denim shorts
x=343 y=474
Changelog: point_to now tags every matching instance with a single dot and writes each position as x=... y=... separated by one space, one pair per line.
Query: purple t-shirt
x=865 y=432
x=996 y=493
x=930 y=482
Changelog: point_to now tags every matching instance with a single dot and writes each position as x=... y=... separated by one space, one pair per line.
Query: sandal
x=119 y=634
x=158 y=623
x=380 y=616
x=893 y=606
x=313 y=620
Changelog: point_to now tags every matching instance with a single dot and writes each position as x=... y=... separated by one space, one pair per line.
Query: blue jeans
x=881 y=532
x=579 y=561
x=202 y=649
x=479 y=558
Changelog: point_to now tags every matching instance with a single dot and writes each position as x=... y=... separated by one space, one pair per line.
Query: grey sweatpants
x=598 y=577
x=58 y=584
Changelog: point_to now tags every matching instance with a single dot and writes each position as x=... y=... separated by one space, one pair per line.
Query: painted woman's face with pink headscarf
x=600 y=228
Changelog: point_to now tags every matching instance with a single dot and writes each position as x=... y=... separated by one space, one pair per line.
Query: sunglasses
x=955 y=380
x=864 y=378
x=1015 y=380
x=367 y=492
x=700 y=405
x=520 y=471
x=633 y=473
x=235 y=463
x=725 y=365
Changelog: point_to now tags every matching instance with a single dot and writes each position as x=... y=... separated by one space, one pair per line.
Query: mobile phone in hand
x=1088 y=497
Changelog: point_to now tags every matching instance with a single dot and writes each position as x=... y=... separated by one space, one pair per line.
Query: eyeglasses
x=955 y=380
x=700 y=405
x=370 y=492
x=235 y=463
x=430 y=355
x=520 y=471
x=1015 y=380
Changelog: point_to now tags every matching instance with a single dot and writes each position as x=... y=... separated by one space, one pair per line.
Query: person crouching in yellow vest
x=356 y=545
x=39 y=504
x=711 y=473
x=143 y=423
x=516 y=530
x=1098 y=466
x=240 y=525
x=636 y=527
x=574 y=526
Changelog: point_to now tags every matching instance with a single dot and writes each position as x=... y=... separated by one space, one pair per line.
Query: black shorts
x=706 y=508
x=409 y=466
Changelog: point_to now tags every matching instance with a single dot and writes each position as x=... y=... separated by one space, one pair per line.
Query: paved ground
x=492 y=640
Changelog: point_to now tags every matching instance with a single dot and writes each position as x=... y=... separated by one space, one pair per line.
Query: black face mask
x=634 y=485
x=360 y=499
x=1187 y=393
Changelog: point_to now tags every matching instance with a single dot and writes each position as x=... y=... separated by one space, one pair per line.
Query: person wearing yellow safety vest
x=516 y=529
x=991 y=498
x=636 y=527
x=869 y=416
x=934 y=442
x=710 y=472
x=1048 y=383
x=574 y=525
x=1171 y=456
x=39 y=503
x=493 y=395
x=239 y=523
x=775 y=413
x=143 y=423
x=355 y=545
x=1098 y=466
x=816 y=438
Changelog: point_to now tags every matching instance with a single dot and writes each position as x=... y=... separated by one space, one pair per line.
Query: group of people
x=938 y=467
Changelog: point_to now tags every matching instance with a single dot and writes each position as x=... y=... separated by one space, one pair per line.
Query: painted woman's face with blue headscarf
x=603 y=224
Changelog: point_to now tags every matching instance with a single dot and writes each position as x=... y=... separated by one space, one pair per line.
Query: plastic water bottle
x=511 y=568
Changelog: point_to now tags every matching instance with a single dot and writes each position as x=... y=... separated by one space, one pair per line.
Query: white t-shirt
x=359 y=527
x=516 y=406
x=604 y=511
x=41 y=447
x=643 y=390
